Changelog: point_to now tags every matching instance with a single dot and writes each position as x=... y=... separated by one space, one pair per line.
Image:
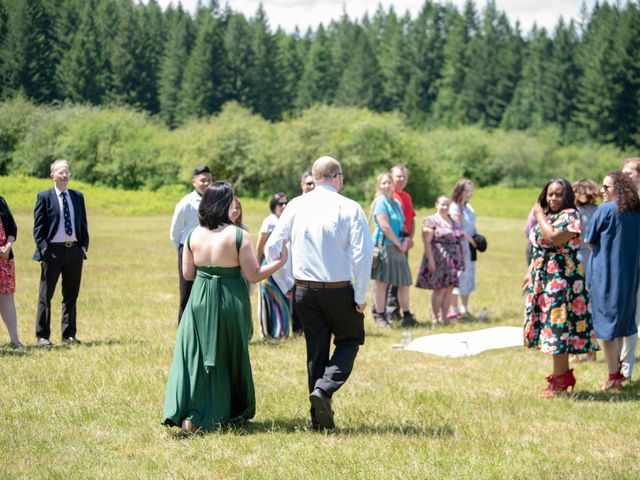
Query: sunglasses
x=309 y=184
x=282 y=204
x=606 y=188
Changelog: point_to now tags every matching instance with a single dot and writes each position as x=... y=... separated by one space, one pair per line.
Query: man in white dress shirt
x=185 y=218
x=330 y=246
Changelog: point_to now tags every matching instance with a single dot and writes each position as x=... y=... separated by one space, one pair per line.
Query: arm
x=84 y=241
x=383 y=221
x=249 y=263
x=262 y=241
x=40 y=223
x=177 y=225
x=280 y=236
x=553 y=235
x=427 y=238
x=361 y=256
x=188 y=264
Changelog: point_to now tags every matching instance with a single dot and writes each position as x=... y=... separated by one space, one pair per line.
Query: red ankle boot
x=558 y=384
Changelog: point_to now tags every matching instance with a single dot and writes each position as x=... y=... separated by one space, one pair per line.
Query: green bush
x=123 y=148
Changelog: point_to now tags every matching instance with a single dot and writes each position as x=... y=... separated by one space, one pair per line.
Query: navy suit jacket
x=46 y=218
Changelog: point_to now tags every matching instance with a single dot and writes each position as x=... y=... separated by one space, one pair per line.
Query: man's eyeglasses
x=606 y=188
x=309 y=184
x=341 y=174
x=282 y=204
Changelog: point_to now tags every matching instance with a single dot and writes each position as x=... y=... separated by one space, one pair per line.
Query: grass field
x=94 y=411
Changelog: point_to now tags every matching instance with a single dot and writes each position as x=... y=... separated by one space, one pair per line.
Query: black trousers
x=325 y=313
x=185 y=286
x=66 y=262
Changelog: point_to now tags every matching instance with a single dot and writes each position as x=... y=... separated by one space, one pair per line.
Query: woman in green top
x=210 y=383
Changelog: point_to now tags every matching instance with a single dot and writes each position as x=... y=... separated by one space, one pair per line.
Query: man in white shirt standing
x=330 y=246
x=185 y=218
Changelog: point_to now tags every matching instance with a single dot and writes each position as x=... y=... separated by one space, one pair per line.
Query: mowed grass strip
x=94 y=411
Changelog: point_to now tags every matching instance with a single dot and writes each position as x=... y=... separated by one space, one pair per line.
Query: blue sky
x=305 y=13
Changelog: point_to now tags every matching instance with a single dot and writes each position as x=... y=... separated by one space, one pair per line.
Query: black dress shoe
x=321 y=402
x=71 y=341
x=44 y=342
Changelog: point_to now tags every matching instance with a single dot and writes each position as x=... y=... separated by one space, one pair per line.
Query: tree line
x=443 y=67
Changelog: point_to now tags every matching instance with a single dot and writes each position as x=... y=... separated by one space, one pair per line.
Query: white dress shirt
x=185 y=218
x=61 y=236
x=329 y=238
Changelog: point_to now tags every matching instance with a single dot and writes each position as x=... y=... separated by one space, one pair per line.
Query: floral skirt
x=7 y=276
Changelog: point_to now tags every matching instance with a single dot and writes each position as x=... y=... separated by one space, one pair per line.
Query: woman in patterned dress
x=443 y=259
x=274 y=308
x=8 y=234
x=557 y=315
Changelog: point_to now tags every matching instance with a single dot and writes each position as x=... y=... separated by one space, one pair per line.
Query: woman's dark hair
x=274 y=201
x=568 y=198
x=585 y=187
x=458 y=190
x=626 y=193
x=214 y=206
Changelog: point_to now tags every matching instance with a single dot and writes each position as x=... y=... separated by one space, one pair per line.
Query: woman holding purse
x=393 y=267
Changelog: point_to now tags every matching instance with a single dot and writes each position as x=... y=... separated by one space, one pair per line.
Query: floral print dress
x=447 y=255
x=557 y=313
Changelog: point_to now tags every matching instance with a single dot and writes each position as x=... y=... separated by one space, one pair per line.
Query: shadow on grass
x=301 y=425
x=630 y=393
x=8 y=351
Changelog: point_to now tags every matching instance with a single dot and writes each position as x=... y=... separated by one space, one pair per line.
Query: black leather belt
x=64 y=244
x=310 y=284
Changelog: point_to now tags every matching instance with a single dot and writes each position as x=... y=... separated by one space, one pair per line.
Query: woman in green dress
x=210 y=382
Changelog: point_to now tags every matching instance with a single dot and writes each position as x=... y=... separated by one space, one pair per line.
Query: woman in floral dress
x=557 y=315
x=443 y=259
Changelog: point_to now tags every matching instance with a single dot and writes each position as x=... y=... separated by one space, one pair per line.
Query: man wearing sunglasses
x=331 y=247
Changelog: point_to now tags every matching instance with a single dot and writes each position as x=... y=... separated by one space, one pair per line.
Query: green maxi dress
x=210 y=381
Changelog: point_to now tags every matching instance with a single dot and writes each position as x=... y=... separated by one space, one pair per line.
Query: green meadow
x=94 y=411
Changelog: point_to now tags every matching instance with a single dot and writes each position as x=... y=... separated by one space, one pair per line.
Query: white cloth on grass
x=464 y=344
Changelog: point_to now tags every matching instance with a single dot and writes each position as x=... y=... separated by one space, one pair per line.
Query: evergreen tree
x=533 y=103
x=81 y=72
x=202 y=86
x=426 y=41
x=124 y=58
x=360 y=84
x=317 y=83
x=266 y=81
x=239 y=59
x=456 y=64
x=175 y=57
x=26 y=52
x=150 y=25
x=564 y=73
x=290 y=65
x=394 y=62
x=494 y=69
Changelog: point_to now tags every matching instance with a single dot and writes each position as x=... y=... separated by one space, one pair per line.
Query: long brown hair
x=626 y=193
x=458 y=190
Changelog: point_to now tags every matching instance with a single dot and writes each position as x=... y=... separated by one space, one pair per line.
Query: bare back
x=214 y=247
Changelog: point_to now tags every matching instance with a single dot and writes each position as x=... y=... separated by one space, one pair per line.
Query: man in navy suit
x=62 y=239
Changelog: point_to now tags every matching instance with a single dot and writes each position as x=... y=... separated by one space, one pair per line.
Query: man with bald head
x=331 y=251
x=631 y=166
